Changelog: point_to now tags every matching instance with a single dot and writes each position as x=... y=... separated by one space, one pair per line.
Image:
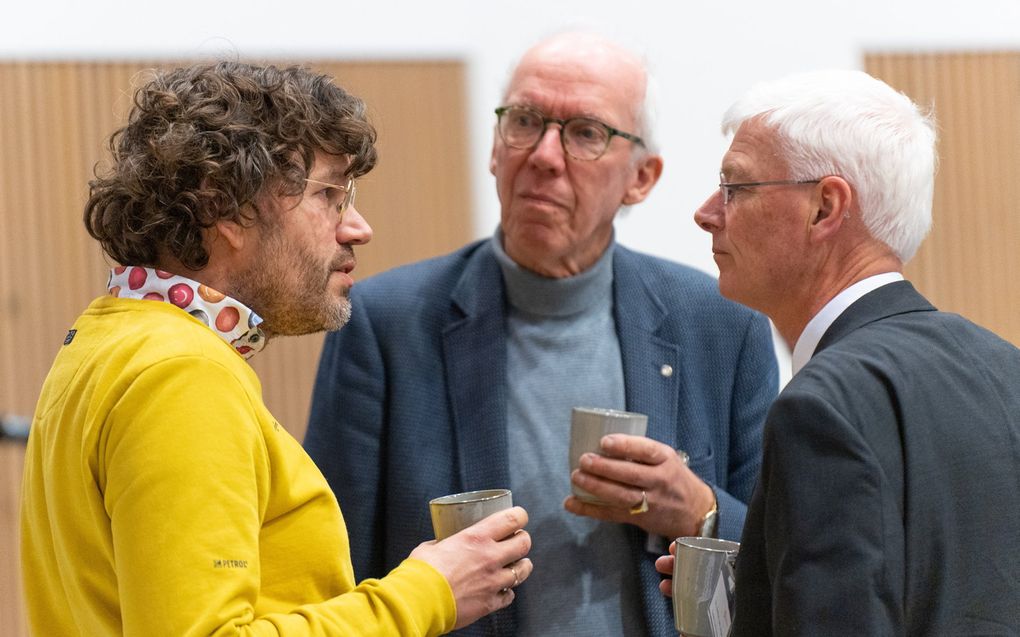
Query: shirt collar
x=820 y=322
x=233 y=321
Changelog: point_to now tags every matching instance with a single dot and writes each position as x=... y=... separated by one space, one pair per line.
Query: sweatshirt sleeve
x=402 y=603
x=188 y=483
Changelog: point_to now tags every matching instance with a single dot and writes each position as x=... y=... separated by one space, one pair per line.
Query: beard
x=288 y=286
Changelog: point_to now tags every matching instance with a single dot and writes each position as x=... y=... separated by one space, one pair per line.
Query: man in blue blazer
x=889 y=499
x=459 y=373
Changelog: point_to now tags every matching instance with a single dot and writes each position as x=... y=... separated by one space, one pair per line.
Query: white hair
x=647 y=116
x=850 y=124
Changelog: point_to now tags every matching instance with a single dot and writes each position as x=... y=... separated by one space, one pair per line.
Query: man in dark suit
x=459 y=373
x=889 y=498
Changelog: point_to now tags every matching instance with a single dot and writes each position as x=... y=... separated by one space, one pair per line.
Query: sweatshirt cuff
x=436 y=607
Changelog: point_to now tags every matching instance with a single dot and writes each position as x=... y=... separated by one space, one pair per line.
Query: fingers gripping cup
x=588 y=425
x=453 y=513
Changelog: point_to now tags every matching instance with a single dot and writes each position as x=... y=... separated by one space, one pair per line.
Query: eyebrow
x=732 y=172
x=585 y=114
x=334 y=176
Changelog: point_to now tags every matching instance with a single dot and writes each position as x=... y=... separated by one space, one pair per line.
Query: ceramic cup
x=703 y=586
x=588 y=425
x=453 y=513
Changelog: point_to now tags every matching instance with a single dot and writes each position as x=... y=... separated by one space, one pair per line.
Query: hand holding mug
x=482 y=563
x=643 y=482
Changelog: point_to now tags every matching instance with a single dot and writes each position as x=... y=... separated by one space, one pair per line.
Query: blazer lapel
x=474 y=348
x=651 y=375
x=895 y=298
x=651 y=364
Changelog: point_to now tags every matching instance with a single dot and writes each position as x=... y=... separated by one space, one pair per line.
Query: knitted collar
x=543 y=296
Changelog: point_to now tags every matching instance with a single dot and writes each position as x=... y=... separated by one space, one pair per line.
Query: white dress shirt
x=820 y=322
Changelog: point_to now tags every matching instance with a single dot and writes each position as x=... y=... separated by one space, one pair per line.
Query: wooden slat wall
x=12 y=619
x=54 y=122
x=970 y=263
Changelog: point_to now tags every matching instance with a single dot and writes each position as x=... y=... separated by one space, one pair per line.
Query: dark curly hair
x=203 y=143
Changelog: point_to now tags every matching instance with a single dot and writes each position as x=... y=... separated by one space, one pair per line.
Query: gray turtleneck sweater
x=562 y=352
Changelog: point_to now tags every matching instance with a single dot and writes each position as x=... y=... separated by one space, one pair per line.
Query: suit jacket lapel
x=895 y=298
x=639 y=313
x=650 y=386
x=474 y=347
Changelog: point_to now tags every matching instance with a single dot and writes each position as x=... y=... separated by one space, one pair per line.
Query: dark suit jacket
x=889 y=502
x=410 y=400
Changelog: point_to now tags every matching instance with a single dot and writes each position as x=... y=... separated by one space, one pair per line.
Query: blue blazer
x=889 y=501
x=410 y=399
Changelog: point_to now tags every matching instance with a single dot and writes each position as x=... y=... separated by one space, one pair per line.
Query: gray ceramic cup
x=703 y=586
x=588 y=425
x=453 y=513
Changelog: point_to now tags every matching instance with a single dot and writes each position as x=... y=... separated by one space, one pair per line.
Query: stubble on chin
x=311 y=316
x=292 y=293
x=340 y=316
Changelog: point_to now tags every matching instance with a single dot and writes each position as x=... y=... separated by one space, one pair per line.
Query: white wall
x=704 y=55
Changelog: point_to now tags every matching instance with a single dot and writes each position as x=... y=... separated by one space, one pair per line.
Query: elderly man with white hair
x=889 y=496
x=459 y=373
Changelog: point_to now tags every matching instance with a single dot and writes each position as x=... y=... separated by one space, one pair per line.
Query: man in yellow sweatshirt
x=161 y=497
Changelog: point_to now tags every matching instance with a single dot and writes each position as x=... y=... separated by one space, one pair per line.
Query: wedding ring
x=516 y=581
x=642 y=506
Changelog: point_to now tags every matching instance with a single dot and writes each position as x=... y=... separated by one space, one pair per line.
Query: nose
x=549 y=153
x=711 y=216
x=354 y=229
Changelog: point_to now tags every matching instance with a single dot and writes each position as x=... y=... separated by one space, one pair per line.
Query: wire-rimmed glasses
x=339 y=197
x=729 y=189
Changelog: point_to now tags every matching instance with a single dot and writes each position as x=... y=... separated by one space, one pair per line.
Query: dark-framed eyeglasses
x=729 y=189
x=339 y=197
x=582 y=138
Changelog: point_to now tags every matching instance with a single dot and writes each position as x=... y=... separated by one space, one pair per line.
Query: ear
x=832 y=203
x=229 y=232
x=492 y=157
x=647 y=173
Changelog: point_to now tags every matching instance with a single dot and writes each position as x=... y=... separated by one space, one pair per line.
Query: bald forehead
x=583 y=59
x=583 y=46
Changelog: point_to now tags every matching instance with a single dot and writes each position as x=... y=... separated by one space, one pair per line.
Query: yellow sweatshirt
x=162 y=498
